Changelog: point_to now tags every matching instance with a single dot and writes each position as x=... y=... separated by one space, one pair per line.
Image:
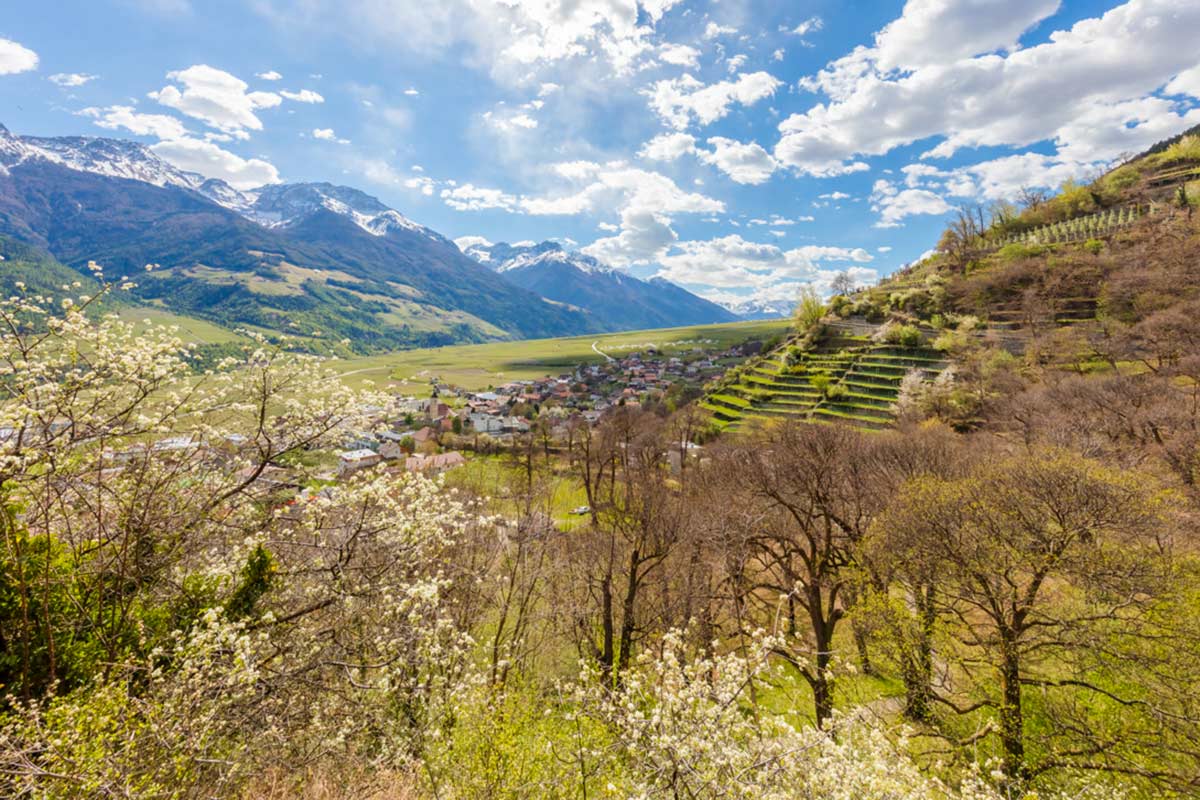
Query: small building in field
x=352 y=461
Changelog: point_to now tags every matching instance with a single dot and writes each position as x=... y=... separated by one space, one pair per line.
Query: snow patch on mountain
x=285 y=203
x=504 y=257
x=270 y=206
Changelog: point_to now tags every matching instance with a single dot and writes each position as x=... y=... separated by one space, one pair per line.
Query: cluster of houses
x=423 y=433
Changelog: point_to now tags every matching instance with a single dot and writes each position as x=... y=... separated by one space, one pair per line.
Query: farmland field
x=191 y=329
x=477 y=366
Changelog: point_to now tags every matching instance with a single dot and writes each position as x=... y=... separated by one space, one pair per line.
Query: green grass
x=477 y=366
x=191 y=330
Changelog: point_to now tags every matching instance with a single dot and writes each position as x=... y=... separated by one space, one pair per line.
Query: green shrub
x=1093 y=246
x=841 y=306
x=809 y=309
x=820 y=381
x=1186 y=149
x=1016 y=250
x=903 y=335
x=835 y=392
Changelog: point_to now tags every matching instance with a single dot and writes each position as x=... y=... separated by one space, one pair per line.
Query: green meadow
x=477 y=366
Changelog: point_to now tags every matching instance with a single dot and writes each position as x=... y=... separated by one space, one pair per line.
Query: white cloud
x=810 y=25
x=411 y=92
x=777 y=221
x=1185 y=83
x=217 y=98
x=778 y=54
x=713 y=30
x=303 y=96
x=465 y=242
x=269 y=75
x=894 y=204
x=935 y=73
x=509 y=121
x=514 y=39
x=678 y=100
x=834 y=196
x=939 y=32
x=734 y=262
x=647 y=202
x=327 y=134
x=159 y=126
x=884 y=249
x=473 y=198
x=206 y=158
x=735 y=63
x=69 y=80
x=548 y=88
x=16 y=58
x=746 y=162
x=680 y=54
x=424 y=184
x=668 y=146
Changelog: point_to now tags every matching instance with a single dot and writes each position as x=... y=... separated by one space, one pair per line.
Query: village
x=431 y=435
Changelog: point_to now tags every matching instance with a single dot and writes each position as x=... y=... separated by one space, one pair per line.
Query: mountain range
x=618 y=300
x=320 y=262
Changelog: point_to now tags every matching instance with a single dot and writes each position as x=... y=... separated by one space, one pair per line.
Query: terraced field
x=847 y=379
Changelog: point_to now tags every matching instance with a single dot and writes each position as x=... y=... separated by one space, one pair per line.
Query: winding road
x=601 y=352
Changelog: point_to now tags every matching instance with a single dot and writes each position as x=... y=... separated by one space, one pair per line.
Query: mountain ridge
x=617 y=299
x=295 y=258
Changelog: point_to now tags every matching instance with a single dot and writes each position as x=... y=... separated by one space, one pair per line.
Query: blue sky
x=739 y=147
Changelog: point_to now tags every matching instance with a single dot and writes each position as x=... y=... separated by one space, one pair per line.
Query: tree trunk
x=918 y=667
x=1012 y=721
x=627 y=611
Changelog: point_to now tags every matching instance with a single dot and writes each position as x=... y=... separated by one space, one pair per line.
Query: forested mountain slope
x=312 y=260
x=616 y=299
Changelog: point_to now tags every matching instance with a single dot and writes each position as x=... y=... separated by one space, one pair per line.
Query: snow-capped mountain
x=113 y=158
x=618 y=299
x=284 y=203
x=276 y=204
x=752 y=308
x=283 y=257
x=503 y=257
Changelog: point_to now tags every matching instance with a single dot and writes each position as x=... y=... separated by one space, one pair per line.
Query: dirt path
x=601 y=352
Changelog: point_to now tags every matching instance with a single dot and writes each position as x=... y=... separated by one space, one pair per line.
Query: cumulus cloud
x=894 y=204
x=509 y=120
x=208 y=159
x=679 y=54
x=303 y=96
x=69 y=80
x=327 y=134
x=744 y=162
x=668 y=146
x=733 y=262
x=514 y=38
x=468 y=197
x=269 y=75
x=16 y=58
x=678 y=100
x=160 y=126
x=216 y=98
x=421 y=183
x=646 y=201
x=713 y=31
x=938 y=71
x=810 y=25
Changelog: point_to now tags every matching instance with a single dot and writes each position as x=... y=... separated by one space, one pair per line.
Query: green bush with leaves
x=809 y=309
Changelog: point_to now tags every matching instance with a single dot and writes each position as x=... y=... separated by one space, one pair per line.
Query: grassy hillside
x=481 y=365
x=1096 y=278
